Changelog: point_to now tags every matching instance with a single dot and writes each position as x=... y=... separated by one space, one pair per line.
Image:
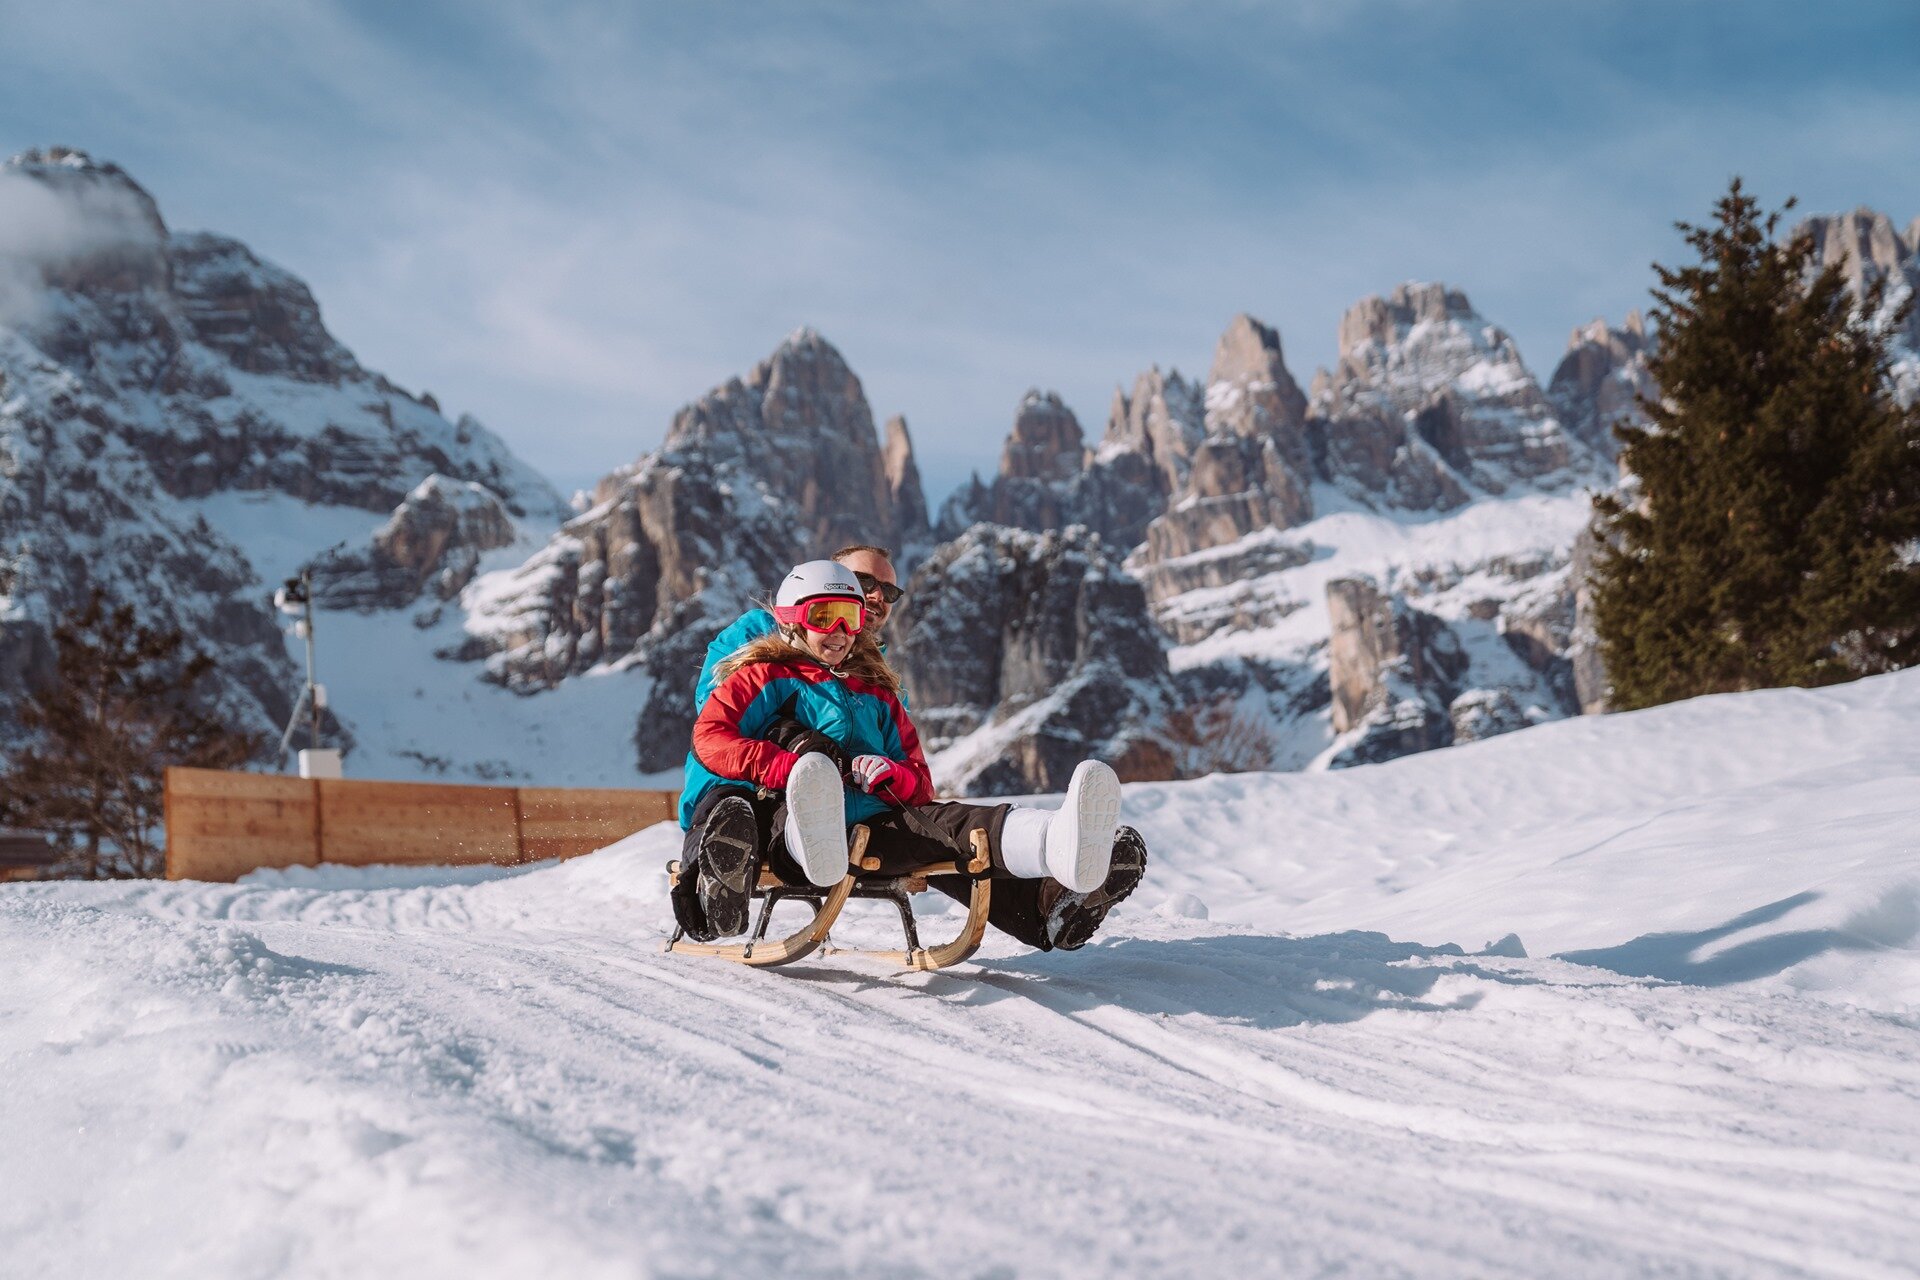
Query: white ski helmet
x=818 y=578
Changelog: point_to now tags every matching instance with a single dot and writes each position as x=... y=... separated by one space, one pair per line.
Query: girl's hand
x=879 y=776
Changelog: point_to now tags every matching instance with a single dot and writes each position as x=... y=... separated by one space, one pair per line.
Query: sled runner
x=863 y=880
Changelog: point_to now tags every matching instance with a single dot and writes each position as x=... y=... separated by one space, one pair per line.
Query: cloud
x=53 y=216
x=575 y=219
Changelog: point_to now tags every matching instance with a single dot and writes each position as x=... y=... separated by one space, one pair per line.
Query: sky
x=569 y=219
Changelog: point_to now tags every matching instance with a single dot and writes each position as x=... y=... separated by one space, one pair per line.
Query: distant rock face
x=1870 y=250
x=1040 y=645
x=1163 y=419
x=800 y=427
x=1428 y=407
x=1393 y=670
x=905 y=494
x=1592 y=691
x=1404 y=679
x=1039 y=480
x=432 y=543
x=1601 y=380
x=1250 y=394
x=143 y=372
x=1252 y=468
x=765 y=471
x=1048 y=480
x=1429 y=402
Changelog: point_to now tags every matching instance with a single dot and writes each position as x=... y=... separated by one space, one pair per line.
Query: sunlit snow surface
x=416 y=716
x=1280 y=1059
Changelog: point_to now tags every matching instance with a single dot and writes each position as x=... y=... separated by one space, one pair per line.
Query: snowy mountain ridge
x=178 y=426
x=144 y=377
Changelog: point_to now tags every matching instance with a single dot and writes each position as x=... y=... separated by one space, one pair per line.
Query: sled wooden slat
x=563 y=822
x=222 y=825
x=961 y=948
x=979 y=902
x=764 y=954
x=413 y=823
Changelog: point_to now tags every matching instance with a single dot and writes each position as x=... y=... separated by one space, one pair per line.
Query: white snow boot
x=1073 y=844
x=817 y=819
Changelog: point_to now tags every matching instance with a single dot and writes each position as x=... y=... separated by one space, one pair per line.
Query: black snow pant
x=944 y=829
x=935 y=832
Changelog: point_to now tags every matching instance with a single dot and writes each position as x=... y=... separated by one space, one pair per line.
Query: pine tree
x=99 y=737
x=1770 y=529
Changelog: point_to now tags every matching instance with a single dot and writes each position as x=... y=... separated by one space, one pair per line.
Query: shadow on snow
x=1672 y=956
x=1256 y=981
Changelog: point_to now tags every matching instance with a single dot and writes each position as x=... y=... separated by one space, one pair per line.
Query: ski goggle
x=826 y=614
x=888 y=591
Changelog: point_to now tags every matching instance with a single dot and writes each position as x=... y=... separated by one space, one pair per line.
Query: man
x=872 y=568
x=1041 y=912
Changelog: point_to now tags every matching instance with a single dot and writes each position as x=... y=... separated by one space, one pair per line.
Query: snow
x=415 y=716
x=1351 y=543
x=1283 y=1057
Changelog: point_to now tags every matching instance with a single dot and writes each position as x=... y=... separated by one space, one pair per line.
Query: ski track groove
x=376 y=1071
x=1211 y=1089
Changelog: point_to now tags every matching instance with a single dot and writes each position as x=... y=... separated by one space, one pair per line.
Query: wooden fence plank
x=222 y=825
x=415 y=823
x=564 y=822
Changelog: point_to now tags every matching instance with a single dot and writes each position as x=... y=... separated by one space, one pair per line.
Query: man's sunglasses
x=888 y=592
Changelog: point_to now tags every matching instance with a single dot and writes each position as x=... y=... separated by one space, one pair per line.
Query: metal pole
x=306 y=580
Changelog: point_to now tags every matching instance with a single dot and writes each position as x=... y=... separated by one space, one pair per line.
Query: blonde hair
x=865 y=662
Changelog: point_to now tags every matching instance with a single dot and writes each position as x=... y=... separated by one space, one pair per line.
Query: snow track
x=499 y=1073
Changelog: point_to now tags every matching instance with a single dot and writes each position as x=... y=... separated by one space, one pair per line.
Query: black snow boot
x=1073 y=918
x=728 y=866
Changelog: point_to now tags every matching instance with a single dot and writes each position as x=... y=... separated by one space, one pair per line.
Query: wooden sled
x=862 y=881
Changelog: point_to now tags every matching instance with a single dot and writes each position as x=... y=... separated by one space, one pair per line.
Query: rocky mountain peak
x=1249 y=391
x=1429 y=397
x=78 y=224
x=1864 y=244
x=163 y=392
x=808 y=388
x=1390 y=321
x=799 y=426
x=1419 y=339
x=1869 y=250
x=97 y=188
x=1046 y=442
x=1601 y=380
x=1163 y=418
x=908 y=495
x=1049 y=480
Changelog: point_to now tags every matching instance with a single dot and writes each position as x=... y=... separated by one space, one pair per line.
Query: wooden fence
x=222 y=825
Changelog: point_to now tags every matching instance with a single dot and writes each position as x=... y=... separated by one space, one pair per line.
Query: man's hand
x=799 y=739
x=879 y=776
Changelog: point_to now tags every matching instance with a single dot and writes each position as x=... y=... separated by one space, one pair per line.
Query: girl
x=805 y=733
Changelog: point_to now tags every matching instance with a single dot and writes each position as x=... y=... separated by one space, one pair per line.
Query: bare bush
x=1221 y=737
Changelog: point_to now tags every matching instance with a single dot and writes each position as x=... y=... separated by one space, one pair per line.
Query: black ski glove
x=799 y=739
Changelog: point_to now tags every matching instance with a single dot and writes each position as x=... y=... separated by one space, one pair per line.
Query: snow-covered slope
x=1282 y=1059
x=1478 y=568
x=179 y=429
